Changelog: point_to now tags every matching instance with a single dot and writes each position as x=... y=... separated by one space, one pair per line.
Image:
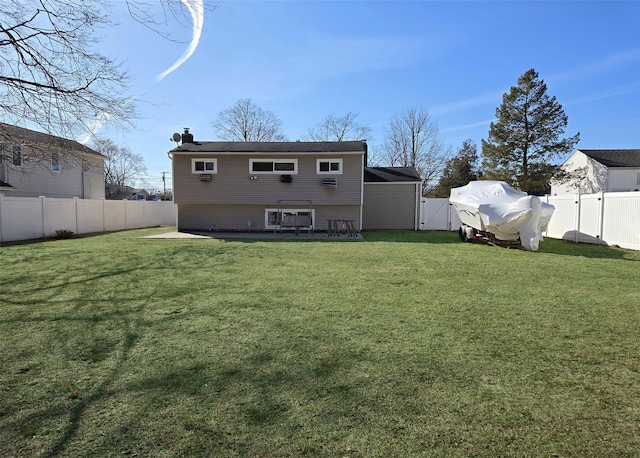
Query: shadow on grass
x=585 y=250
x=68 y=400
x=82 y=338
x=75 y=416
x=366 y=236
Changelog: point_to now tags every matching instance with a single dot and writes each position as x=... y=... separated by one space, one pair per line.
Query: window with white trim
x=55 y=162
x=289 y=218
x=283 y=166
x=329 y=166
x=204 y=165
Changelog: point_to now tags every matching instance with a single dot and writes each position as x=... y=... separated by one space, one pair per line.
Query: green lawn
x=404 y=344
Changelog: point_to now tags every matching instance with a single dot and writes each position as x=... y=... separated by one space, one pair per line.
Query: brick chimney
x=186 y=136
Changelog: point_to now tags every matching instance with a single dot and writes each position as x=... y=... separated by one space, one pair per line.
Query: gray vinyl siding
x=214 y=217
x=33 y=179
x=389 y=206
x=94 y=179
x=231 y=185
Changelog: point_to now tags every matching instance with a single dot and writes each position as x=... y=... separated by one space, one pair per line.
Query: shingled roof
x=614 y=157
x=271 y=147
x=20 y=135
x=390 y=174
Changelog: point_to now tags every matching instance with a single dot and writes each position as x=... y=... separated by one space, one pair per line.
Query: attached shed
x=391 y=198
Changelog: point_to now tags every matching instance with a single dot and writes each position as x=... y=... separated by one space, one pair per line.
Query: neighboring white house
x=34 y=164
x=606 y=170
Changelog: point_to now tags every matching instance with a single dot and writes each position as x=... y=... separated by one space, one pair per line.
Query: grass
x=404 y=344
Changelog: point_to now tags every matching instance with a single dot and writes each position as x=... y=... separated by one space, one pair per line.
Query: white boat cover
x=505 y=212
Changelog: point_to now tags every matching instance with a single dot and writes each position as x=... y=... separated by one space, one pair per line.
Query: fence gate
x=438 y=215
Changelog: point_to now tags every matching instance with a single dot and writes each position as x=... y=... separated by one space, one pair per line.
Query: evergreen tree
x=525 y=139
x=459 y=170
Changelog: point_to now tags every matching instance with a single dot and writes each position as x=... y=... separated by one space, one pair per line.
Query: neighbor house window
x=284 y=166
x=17 y=155
x=55 y=162
x=329 y=166
x=206 y=165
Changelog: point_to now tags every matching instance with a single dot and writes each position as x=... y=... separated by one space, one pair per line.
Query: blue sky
x=304 y=60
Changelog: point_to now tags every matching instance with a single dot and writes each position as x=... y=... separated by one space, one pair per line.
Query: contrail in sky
x=93 y=126
x=196 y=8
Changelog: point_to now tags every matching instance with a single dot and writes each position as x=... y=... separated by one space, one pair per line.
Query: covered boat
x=496 y=211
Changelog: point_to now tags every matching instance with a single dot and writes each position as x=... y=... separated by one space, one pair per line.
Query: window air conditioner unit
x=285 y=179
x=329 y=182
x=206 y=176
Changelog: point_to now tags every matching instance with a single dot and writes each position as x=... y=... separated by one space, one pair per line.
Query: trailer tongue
x=496 y=212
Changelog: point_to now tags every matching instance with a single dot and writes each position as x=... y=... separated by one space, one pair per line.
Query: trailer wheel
x=461 y=234
x=469 y=234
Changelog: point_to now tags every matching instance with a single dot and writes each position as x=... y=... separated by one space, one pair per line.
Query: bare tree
x=52 y=77
x=121 y=170
x=411 y=139
x=244 y=121
x=50 y=73
x=339 y=128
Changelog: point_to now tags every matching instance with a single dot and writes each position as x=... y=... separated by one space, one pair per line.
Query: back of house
x=240 y=186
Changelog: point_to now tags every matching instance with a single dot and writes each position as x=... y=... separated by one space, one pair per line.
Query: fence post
x=576 y=235
x=601 y=217
x=1 y=206
x=42 y=214
x=75 y=202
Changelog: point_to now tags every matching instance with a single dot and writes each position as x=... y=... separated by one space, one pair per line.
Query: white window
x=289 y=218
x=55 y=162
x=329 y=166
x=204 y=165
x=283 y=166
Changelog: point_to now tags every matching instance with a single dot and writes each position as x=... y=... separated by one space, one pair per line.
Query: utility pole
x=164 y=184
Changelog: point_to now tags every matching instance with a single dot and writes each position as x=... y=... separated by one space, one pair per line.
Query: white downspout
x=418 y=213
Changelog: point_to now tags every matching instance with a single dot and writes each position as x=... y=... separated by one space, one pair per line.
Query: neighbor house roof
x=271 y=147
x=614 y=157
x=390 y=174
x=20 y=135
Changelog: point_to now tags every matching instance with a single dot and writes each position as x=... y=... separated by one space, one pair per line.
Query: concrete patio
x=267 y=235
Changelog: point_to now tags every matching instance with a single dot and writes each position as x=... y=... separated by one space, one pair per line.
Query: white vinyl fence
x=611 y=218
x=25 y=218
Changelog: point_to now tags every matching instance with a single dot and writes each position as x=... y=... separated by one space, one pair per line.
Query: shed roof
x=390 y=174
x=272 y=147
x=14 y=134
x=614 y=157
